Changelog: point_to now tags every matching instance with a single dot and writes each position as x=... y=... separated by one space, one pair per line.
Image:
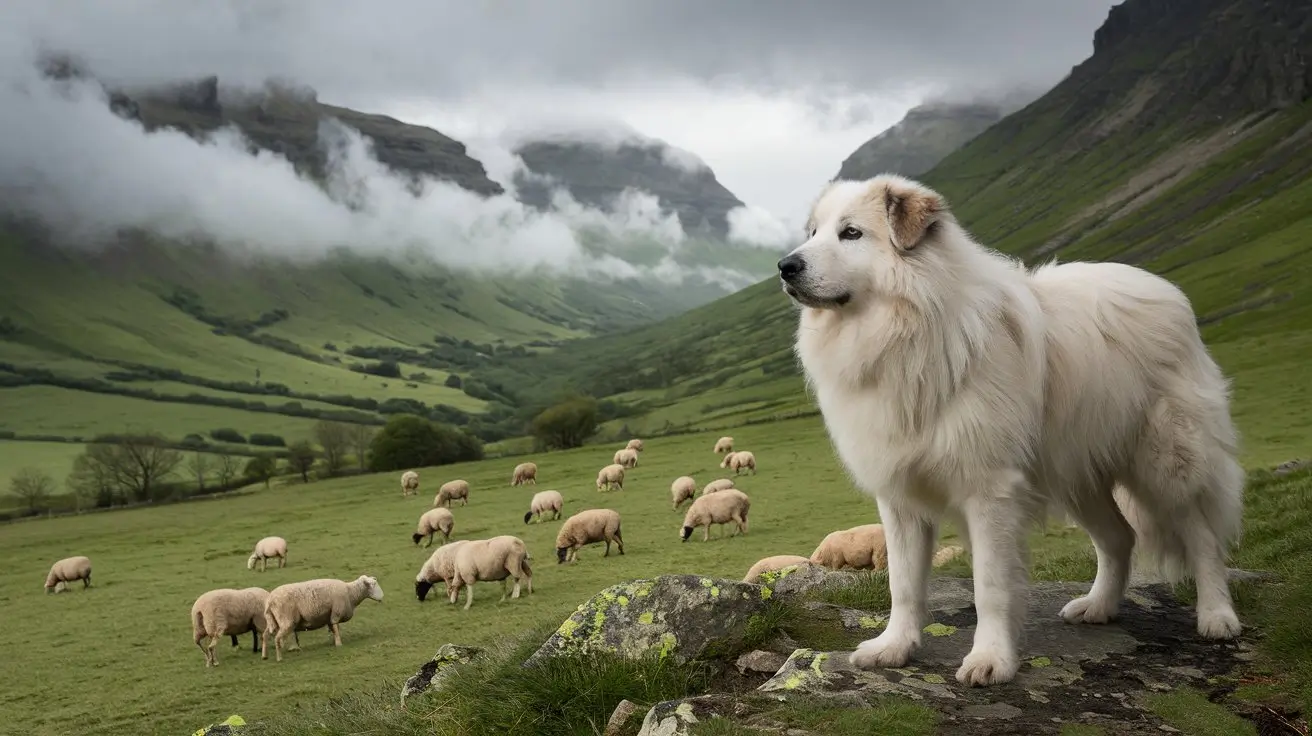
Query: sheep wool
x=544 y=501
x=722 y=507
x=439 y=521
x=724 y=444
x=611 y=475
x=773 y=564
x=266 y=548
x=739 y=461
x=66 y=571
x=717 y=485
x=409 y=483
x=627 y=458
x=588 y=527
x=313 y=604
x=227 y=612
x=860 y=548
x=947 y=554
x=450 y=491
x=682 y=489
x=490 y=560
x=524 y=473
x=635 y=445
x=438 y=568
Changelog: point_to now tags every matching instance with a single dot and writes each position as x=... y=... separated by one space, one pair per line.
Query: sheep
x=438 y=568
x=736 y=461
x=524 y=472
x=409 y=483
x=266 y=548
x=66 y=571
x=861 y=548
x=771 y=564
x=717 y=485
x=433 y=521
x=611 y=475
x=450 y=491
x=588 y=527
x=682 y=489
x=490 y=560
x=724 y=444
x=227 y=612
x=313 y=604
x=721 y=507
x=946 y=555
x=626 y=457
x=635 y=445
x=543 y=502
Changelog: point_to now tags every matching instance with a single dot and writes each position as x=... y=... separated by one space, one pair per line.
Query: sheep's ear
x=912 y=210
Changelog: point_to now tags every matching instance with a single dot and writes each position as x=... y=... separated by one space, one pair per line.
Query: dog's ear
x=911 y=209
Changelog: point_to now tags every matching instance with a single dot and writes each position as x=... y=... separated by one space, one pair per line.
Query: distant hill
x=920 y=139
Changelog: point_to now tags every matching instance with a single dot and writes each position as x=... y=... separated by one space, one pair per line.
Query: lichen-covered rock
x=677 y=717
x=620 y=717
x=231 y=726
x=678 y=616
x=792 y=580
x=432 y=672
x=760 y=662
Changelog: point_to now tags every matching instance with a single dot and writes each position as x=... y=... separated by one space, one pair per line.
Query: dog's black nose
x=791 y=266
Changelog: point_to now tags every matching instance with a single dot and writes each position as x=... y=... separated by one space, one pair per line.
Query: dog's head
x=863 y=239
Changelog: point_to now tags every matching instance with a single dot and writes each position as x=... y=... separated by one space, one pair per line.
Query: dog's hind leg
x=1113 y=540
x=910 y=540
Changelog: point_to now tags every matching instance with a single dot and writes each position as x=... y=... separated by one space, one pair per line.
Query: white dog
x=955 y=383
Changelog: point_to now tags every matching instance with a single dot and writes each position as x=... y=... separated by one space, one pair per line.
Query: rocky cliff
x=920 y=140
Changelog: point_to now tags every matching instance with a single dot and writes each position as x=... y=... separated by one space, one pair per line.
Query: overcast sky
x=773 y=94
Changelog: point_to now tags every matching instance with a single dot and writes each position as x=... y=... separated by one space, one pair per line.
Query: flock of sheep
x=326 y=602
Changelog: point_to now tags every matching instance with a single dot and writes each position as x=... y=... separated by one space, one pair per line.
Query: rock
x=231 y=726
x=1290 y=466
x=680 y=616
x=795 y=579
x=760 y=662
x=620 y=717
x=677 y=717
x=432 y=672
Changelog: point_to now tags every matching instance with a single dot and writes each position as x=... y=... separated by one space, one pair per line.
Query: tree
x=261 y=468
x=226 y=468
x=361 y=436
x=135 y=463
x=567 y=424
x=33 y=486
x=199 y=466
x=334 y=440
x=452 y=381
x=300 y=458
x=90 y=480
x=408 y=441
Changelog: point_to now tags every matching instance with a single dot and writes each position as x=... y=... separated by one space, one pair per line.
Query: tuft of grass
x=1191 y=712
x=869 y=592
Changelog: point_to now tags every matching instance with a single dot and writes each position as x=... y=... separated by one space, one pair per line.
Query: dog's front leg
x=910 y=540
x=995 y=518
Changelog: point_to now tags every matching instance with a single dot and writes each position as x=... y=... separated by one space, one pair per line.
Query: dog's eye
x=849 y=233
x=813 y=233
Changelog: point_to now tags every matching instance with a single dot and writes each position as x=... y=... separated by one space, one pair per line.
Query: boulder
x=231 y=726
x=434 y=670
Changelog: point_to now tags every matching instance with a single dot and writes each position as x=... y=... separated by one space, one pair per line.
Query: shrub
x=227 y=435
x=261 y=468
x=567 y=424
x=267 y=440
x=408 y=441
x=452 y=381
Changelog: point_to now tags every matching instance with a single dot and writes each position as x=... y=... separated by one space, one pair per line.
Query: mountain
x=920 y=139
x=1183 y=145
x=595 y=173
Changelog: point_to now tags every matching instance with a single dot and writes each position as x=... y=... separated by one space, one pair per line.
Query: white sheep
x=861 y=548
x=524 y=473
x=66 y=571
x=313 y=604
x=717 y=485
x=409 y=483
x=266 y=548
x=724 y=444
x=588 y=527
x=227 y=612
x=772 y=564
x=490 y=560
x=947 y=554
x=737 y=461
x=451 y=491
x=635 y=445
x=682 y=489
x=438 y=568
x=544 y=501
x=611 y=475
x=722 y=507
x=626 y=457
x=434 y=521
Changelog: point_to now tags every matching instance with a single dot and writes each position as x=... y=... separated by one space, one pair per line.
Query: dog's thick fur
x=955 y=383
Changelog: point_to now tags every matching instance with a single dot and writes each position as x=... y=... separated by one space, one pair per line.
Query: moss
x=870 y=622
x=1040 y=662
x=646 y=618
x=934 y=679
x=937 y=629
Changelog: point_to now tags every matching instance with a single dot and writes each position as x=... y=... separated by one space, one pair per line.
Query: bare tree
x=136 y=463
x=33 y=486
x=199 y=466
x=334 y=440
x=90 y=480
x=227 y=468
x=361 y=438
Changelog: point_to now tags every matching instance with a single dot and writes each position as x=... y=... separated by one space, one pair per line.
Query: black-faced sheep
x=722 y=507
x=438 y=568
x=313 y=604
x=434 y=521
x=544 y=501
x=588 y=527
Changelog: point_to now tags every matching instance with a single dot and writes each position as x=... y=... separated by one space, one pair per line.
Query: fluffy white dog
x=955 y=383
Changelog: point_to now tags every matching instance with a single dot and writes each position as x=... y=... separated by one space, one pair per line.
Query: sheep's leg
x=337 y=634
x=469 y=596
x=214 y=656
x=282 y=562
x=706 y=533
x=503 y=591
x=607 y=549
x=203 y=650
x=515 y=592
x=86 y=581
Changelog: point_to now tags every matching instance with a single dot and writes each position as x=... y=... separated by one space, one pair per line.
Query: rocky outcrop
x=920 y=140
x=433 y=671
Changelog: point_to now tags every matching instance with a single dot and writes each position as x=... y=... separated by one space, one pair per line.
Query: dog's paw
x=1089 y=610
x=987 y=666
x=889 y=649
x=1218 y=623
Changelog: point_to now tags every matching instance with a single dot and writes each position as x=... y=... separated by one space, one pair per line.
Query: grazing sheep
x=772 y=564
x=635 y=445
x=724 y=444
x=717 y=485
x=433 y=521
x=861 y=548
x=490 y=560
x=438 y=568
x=611 y=475
x=450 y=491
x=682 y=489
x=588 y=527
x=626 y=457
x=313 y=604
x=409 y=483
x=66 y=571
x=227 y=612
x=266 y=548
x=721 y=507
x=736 y=461
x=524 y=472
x=545 y=501
x=947 y=554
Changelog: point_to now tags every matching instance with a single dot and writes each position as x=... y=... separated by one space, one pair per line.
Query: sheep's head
x=371 y=587
x=250 y=562
x=560 y=554
x=528 y=516
x=421 y=589
x=416 y=536
x=685 y=533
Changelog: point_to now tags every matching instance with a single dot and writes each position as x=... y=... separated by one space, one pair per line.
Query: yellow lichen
x=934 y=679
x=937 y=629
x=715 y=592
x=646 y=618
x=568 y=628
x=869 y=622
x=1040 y=662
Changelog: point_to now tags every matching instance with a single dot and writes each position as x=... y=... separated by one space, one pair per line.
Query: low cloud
x=755 y=226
